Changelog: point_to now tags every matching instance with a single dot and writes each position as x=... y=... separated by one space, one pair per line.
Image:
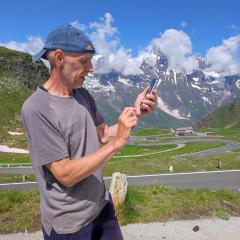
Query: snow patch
x=125 y=81
x=174 y=76
x=95 y=85
x=175 y=113
x=15 y=133
x=186 y=82
x=178 y=98
x=195 y=79
x=195 y=86
x=167 y=72
x=207 y=100
x=212 y=74
x=213 y=82
x=4 y=148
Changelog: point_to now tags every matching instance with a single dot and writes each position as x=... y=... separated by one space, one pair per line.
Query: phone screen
x=153 y=84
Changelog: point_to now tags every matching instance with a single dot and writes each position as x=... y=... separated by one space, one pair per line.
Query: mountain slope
x=183 y=98
x=18 y=78
x=224 y=117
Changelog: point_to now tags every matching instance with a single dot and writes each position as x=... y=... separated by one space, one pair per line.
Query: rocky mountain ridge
x=184 y=98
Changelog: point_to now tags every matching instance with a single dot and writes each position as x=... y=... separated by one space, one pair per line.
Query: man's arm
x=69 y=172
x=106 y=133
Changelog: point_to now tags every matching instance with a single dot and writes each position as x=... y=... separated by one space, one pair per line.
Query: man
x=64 y=128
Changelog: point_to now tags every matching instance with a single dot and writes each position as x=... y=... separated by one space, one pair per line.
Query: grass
x=10 y=114
x=189 y=148
x=14 y=158
x=6 y=51
x=152 y=131
x=159 y=163
x=134 y=150
x=232 y=133
x=160 y=203
x=149 y=164
x=229 y=160
x=19 y=210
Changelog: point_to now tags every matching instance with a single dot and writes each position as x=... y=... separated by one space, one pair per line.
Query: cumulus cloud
x=32 y=45
x=78 y=25
x=225 y=58
x=174 y=44
x=177 y=47
x=114 y=57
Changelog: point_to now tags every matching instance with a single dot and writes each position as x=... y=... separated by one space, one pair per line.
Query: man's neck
x=56 y=87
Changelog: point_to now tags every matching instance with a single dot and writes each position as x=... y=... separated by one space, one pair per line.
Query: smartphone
x=153 y=85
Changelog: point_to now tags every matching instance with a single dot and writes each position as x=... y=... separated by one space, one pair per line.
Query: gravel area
x=205 y=229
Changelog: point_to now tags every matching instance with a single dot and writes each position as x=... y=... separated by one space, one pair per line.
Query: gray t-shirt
x=59 y=127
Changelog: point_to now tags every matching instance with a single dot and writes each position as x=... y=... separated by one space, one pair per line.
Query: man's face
x=76 y=66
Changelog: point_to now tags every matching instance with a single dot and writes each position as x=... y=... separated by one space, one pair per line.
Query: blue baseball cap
x=66 y=38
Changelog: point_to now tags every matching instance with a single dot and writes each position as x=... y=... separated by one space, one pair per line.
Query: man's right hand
x=126 y=122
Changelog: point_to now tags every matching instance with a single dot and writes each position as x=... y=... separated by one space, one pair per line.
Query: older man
x=64 y=128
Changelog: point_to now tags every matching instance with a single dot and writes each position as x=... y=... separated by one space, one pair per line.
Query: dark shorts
x=104 y=227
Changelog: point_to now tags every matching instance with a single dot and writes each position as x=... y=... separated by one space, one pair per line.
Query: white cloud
x=174 y=44
x=225 y=58
x=114 y=56
x=177 y=47
x=183 y=24
x=78 y=25
x=32 y=45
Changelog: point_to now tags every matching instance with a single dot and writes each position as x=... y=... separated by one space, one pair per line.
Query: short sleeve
x=46 y=143
x=96 y=115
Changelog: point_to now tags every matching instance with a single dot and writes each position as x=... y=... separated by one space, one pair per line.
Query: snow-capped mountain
x=183 y=99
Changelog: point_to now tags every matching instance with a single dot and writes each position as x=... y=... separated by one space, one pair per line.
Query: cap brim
x=39 y=55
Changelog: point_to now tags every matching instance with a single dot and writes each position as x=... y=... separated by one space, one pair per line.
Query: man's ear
x=58 y=55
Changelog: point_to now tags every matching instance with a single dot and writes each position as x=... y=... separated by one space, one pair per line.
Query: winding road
x=229 y=179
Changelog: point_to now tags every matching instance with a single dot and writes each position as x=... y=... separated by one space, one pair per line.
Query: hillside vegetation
x=19 y=76
x=224 y=117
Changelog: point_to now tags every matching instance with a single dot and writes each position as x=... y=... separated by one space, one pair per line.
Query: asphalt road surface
x=229 y=179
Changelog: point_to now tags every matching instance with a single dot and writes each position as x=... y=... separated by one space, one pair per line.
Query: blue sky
x=135 y=23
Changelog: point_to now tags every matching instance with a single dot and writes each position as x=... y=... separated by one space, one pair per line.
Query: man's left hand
x=145 y=102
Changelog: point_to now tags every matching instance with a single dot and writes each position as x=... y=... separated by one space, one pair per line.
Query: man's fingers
x=148 y=103
x=152 y=97
x=147 y=108
x=128 y=116
x=133 y=123
x=146 y=90
x=127 y=111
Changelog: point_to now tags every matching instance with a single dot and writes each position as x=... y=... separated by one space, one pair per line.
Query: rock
x=170 y=169
x=219 y=164
x=196 y=228
x=118 y=188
